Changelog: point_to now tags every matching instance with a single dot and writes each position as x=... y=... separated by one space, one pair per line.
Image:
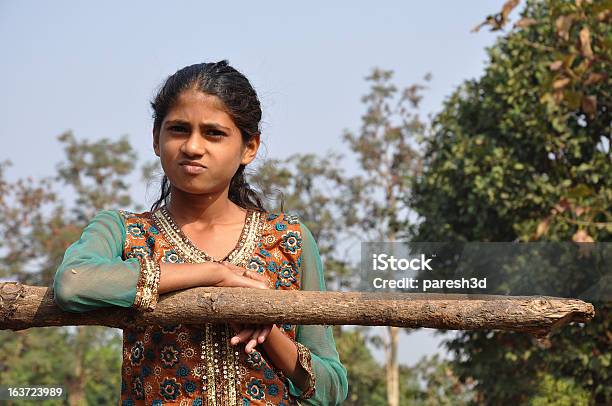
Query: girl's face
x=198 y=130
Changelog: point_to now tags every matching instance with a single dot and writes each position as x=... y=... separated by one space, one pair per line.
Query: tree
x=523 y=154
x=36 y=228
x=385 y=153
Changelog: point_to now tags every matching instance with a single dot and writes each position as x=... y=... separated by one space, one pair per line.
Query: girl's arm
x=93 y=274
x=316 y=376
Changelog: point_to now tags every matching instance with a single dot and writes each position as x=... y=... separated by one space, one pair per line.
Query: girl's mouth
x=193 y=169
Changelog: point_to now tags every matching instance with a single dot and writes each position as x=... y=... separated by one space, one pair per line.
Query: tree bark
x=23 y=306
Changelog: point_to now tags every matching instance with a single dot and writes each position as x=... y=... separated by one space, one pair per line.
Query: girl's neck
x=205 y=210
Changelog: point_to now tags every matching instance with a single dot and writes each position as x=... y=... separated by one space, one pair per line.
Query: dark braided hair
x=241 y=102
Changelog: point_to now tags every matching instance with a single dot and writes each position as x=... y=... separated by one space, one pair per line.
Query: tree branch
x=23 y=306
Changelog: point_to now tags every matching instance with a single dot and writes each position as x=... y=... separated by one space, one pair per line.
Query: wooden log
x=23 y=307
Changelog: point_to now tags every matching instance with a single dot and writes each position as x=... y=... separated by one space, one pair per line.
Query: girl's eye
x=182 y=129
x=177 y=128
x=216 y=133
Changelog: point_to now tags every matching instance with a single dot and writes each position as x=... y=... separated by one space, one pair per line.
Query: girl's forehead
x=191 y=104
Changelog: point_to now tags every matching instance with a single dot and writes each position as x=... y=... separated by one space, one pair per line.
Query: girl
x=212 y=230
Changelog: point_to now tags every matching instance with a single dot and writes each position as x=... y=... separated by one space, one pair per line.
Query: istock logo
x=383 y=262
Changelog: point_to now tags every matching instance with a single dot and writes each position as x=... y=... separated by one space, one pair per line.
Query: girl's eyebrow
x=205 y=124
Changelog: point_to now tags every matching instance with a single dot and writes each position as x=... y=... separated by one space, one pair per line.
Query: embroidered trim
x=229 y=363
x=146 y=288
x=249 y=237
x=208 y=380
x=219 y=380
x=221 y=373
x=305 y=360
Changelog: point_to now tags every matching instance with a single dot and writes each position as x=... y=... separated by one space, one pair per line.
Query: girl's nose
x=194 y=145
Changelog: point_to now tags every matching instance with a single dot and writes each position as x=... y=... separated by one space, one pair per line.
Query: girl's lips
x=193 y=169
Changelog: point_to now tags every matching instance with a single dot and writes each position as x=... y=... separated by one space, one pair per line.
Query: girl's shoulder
x=281 y=221
x=129 y=216
x=281 y=217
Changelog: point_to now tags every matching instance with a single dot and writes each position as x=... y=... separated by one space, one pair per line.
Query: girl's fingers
x=251 y=283
x=264 y=334
x=242 y=336
x=251 y=335
x=252 y=341
x=261 y=281
x=260 y=278
x=256 y=276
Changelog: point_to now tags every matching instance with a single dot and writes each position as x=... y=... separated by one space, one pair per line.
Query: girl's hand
x=251 y=334
x=230 y=275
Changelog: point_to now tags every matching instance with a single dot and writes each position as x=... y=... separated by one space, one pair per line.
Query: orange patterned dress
x=195 y=364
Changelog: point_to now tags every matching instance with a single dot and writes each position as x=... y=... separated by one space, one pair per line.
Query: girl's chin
x=194 y=188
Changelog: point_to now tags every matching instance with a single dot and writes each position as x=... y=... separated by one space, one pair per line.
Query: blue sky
x=93 y=67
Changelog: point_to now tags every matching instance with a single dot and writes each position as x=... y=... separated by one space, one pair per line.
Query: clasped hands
x=250 y=334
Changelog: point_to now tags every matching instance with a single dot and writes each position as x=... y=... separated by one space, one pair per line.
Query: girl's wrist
x=271 y=336
x=295 y=366
x=212 y=274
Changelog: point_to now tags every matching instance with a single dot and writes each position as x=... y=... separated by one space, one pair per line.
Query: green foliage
x=97 y=172
x=441 y=385
x=559 y=392
x=523 y=154
x=430 y=382
x=366 y=377
x=47 y=356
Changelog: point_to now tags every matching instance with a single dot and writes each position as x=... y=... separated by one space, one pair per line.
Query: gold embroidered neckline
x=249 y=236
x=187 y=240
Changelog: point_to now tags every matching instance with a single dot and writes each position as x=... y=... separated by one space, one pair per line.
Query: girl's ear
x=156 y=143
x=250 y=150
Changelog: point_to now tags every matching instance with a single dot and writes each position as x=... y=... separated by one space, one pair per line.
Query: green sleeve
x=331 y=381
x=93 y=274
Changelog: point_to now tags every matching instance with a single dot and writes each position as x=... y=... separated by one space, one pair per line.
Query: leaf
x=581 y=190
x=525 y=22
x=497 y=21
x=573 y=99
x=543 y=227
x=604 y=15
x=583 y=66
x=589 y=106
x=560 y=83
x=546 y=98
x=507 y=8
x=585 y=43
x=490 y=20
x=569 y=59
x=595 y=77
x=582 y=236
x=563 y=24
x=562 y=205
x=556 y=65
